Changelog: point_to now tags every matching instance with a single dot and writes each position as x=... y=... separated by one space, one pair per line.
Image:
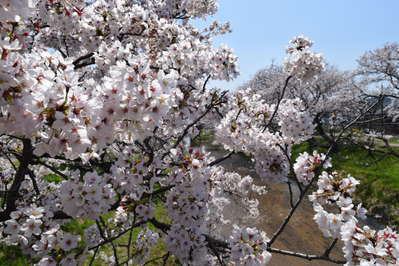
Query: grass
x=379 y=176
x=394 y=140
x=359 y=162
x=10 y=255
x=205 y=137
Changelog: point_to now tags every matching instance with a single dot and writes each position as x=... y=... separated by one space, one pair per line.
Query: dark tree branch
x=278 y=103
x=52 y=168
x=110 y=239
x=291 y=194
x=13 y=193
x=84 y=60
x=205 y=83
x=34 y=182
x=94 y=256
x=219 y=160
x=305 y=256
x=330 y=248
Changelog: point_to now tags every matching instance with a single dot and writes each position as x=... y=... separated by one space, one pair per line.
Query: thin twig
x=278 y=103
x=330 y=248
x=108 y=240
x=304 y=256
x=94 y=256
x=157 y=258
x=104 y=237
x=52 y=168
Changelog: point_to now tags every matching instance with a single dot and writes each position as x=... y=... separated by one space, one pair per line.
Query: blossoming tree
x=100 y=101
x=379 y=72
x=333 y=97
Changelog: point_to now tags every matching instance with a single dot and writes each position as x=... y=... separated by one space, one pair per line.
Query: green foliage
x=394 y=140
x=297 y=149
x=52 y=178
x=10 y=255
x=77 y=226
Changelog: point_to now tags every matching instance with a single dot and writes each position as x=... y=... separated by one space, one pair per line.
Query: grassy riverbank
x=379 y=176
x=377 y=171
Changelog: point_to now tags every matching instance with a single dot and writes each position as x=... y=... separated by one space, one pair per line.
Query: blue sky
x=341 y=29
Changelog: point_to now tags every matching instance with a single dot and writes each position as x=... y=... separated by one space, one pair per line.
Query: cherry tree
x=379 y=72
x=333 y=97
x=100 y=103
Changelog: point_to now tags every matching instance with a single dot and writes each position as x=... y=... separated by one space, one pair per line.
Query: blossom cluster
x=188 y=246
x=249 y=247
x=88 y=198
x=187 y=205
x=362 y=245
x=146 y=239
x=246 y=128
x=240 y=190
x=295 y=123
x=176 y=8
x=33 y=230
x=301 y=61
x=333 y=190
x=306 y=164
x=365 y=246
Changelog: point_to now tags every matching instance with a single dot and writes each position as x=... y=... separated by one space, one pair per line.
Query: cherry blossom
x=301 y=61
x=249 y=247
x=306 y=164
x=102 y=104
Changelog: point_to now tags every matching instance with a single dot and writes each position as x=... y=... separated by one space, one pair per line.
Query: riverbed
x=300 y=235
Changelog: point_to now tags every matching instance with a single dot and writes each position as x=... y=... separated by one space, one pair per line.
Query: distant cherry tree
x=333 y=97
x=379 y=73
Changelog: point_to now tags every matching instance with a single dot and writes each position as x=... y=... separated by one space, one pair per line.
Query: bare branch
x=278 y=103
x=305 y=256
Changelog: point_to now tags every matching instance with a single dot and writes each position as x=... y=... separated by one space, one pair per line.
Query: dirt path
x=301 y=234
